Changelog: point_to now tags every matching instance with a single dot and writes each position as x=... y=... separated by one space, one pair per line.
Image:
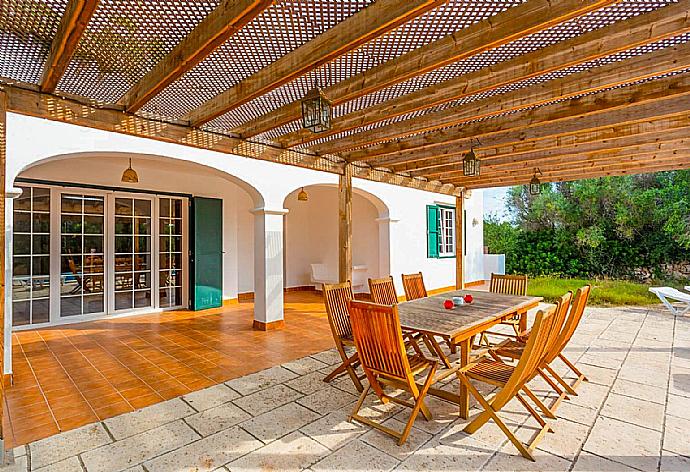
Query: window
x=170 y=264
x=31 y=259
x=440 y=231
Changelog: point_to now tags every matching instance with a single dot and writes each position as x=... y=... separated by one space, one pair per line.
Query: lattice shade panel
x=27 y=28
x=509 y=88
x=281 y=28
x=124 y=40
x=442 y=21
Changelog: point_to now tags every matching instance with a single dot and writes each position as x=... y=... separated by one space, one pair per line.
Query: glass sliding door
x=31 y=257
x=82 y=256
x=170 y=274
x=132 y=268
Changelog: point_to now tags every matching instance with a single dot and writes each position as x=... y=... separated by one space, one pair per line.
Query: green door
x=207 y=257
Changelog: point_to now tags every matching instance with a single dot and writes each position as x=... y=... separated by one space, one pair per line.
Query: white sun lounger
x=666 y=293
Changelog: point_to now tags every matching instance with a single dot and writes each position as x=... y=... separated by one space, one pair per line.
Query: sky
x=494 y=202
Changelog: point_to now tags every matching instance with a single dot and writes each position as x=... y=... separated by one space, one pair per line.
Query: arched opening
x=87 y=245
x=311 y=238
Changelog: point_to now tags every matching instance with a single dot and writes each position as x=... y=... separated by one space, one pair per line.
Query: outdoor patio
x=633 y=414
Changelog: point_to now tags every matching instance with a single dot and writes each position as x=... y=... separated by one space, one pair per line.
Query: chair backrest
x=379 y=340
x=508 y=284
x=414 y=286
x=336 y=297
x=530 y=359
x=574 y=317
x=383 y=291
x=560 y=318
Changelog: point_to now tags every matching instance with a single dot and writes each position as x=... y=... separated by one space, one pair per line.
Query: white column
x=385 y=227
x=268 y=268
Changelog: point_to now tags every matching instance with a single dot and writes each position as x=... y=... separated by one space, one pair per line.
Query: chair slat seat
x=510 y=348
x=491 y=371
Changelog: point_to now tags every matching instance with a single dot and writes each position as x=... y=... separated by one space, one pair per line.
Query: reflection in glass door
x=82 y=254
x=132 y=253
x=31 y=257
x=170 y=252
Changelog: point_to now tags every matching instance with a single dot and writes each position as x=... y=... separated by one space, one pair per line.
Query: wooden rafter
x=510 y=25
x=540 y=156
x=363 y=26
x=562 y=117
x=612 y=39
x=222 y=23
x=72 y=26
x=656 y=64
x=51 y=107
x=513 y=144
x=620 y=165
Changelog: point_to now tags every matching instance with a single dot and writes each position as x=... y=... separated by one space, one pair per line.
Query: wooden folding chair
x=511 y=381
x=384 y=358
x=508 y=285
x=514 y=349
x=383 y=291
x=336 y=298
x=414 y=286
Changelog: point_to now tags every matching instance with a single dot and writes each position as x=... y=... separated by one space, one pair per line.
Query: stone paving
x=634 y=414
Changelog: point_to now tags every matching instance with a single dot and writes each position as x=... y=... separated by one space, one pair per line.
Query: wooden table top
x=428 y=314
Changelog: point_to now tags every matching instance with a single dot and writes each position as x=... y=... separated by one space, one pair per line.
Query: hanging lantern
x=470 y=164
x=129 y=176
x=316 y=111
x=302 y=196
x=535 y=184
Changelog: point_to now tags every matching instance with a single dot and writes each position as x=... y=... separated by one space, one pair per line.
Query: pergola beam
x=365 y=25
x=541 y=156
x=227 y=19
x=655 y=64
x=51 y=107
x=616 y=167
x=70 y=30
x=662 y=96
x=510 y=25
x=498 y=145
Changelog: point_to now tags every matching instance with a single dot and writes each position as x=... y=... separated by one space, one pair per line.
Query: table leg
x=523 y=322
x=465 y=347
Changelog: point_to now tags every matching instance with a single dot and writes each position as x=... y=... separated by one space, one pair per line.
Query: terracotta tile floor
x=73 y=375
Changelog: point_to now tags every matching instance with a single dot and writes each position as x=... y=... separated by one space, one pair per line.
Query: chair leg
x=534 y=413
x=559 y=391
x=580 y=376
x=346 y=366
x=490 y=413
x=545 y=409
x=418 y=404
x=560 y=380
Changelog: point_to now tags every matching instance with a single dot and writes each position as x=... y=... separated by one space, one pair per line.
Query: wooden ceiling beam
x=499 y=145
x=569 y=156
x=70 y=30
x=510 y=25
x=567 y=116
x=537 y=157
x=365 y=25
x=658 y=63
x=226 y=20
x=636 y=164
x=50 y=107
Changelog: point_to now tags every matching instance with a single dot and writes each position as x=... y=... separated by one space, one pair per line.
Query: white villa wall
x=245 y=184
x=311 y=234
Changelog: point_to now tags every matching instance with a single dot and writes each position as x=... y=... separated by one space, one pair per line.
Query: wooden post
x=345 y=225
x=459 y=244
x=3 y=160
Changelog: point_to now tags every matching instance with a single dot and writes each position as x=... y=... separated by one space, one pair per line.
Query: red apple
x=468 y=298
x=448 y=304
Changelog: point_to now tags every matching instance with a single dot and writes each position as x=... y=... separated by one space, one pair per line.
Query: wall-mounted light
x=129 y=176
x=535 y=183
x=302 y=196
x=316 y=111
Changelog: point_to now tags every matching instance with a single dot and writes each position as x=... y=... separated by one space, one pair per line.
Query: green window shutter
x=432 y=230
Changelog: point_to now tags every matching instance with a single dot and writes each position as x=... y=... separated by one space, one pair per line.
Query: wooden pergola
x=575 y=88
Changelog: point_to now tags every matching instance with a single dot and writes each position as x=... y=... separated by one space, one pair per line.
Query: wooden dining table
x=460 y=325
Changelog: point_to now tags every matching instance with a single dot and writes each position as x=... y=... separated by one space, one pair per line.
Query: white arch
x=253 y=192
x=380 y=205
